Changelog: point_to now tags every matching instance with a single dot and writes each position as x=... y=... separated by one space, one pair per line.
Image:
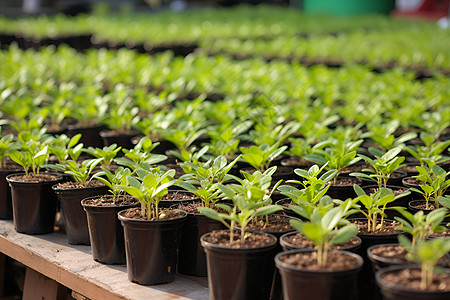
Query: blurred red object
x=430 y=9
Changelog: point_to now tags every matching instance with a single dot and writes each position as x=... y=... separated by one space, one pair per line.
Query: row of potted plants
x=250 y=200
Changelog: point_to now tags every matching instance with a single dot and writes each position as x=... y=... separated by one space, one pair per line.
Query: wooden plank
x=38 y=286
x=73 y=267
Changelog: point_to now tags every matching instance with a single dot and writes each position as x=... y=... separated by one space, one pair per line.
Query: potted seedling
x=225 y=138
x=105 y=231
x=200 y=179
x=33 y=201
x=431 y=152
x=337 y=154
x=241 y=264
x=433 y=182
x=107 y=155
x=384 y=164
x=419 y=226
x=141 y=153
x=423 y=282
x=321 y=274
x=71 y=193
x=260 y=158
x=152 y=236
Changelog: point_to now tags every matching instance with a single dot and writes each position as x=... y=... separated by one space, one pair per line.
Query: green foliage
x=107 y=153
x=419 y=225
x=5 y=146
x=65 y=148
x=335 y=153
x=374 y=205
x=149 y=188
x=81 y=172
x=140 y=154
x=202 y=178
x=323 y=230
x=251 y=198
x=435 y=184
x=184 y=134
x=115 y=181
x=431 y=152
x=383 y=134
x=383 y=164
x=225 y=138
x=260 y=157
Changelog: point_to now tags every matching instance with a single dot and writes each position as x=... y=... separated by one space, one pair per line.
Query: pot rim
x=376 y=234
x=292 y=268
x=140 y=221
x=9 y=180
x=375 y=257
x=83 y=201
x=295 y=232
x=390 y=285
x=209 y=245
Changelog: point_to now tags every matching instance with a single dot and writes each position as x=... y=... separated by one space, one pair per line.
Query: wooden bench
x=51 y=263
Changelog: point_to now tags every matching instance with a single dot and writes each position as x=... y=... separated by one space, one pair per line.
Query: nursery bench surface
x=73 y=266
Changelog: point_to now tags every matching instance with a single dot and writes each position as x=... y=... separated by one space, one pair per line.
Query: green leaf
x=344 y=234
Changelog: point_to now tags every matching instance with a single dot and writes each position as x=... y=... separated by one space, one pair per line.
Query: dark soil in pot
x=70 y=195
x=342 y=188
x=151 y=245
x=410 y=182
x=105 y=231
x=191 y=256
x=176 y=197
x=417 y=205
x=240 y=271
x=303 y=279
x=33 y=202
x=296 y=240
x=123 y=139
x=402 y=201
x=403 y=283
x=285 y=173
x=296 y=163
x=410 y=169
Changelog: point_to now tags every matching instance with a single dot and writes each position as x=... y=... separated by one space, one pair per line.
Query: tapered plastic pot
x=124 y=140
x=343 y=191
x=192 y=257
x=239 y=274
x=367 y=289
x=151 y=248
x=34 y=205
x=75 y=220
x=391 y=291
x=6 y=212
x=300 y=284
x=106 y=232
x=90 y=134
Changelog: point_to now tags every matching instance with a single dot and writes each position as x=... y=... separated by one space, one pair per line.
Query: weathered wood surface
x=73 y=267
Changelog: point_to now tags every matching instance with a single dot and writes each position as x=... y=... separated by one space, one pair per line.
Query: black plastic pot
x=343 y=192
x=301 y=284
x=6 y=212
x=90 y=134
x=106 y=232
x=124 y=140
x=34 y=205
x=239 y=274
x=391 y=291
x=192 y=257
x=151 y=248
x=288 y=246
x=367 y=289
x=75 y=219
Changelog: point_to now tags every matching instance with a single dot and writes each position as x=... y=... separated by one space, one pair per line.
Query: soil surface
x=179 y=196
x=343 y=181
x=410 y=278
x=423 y=205
x=301 y=241
x=395 y=253
x=166 y=214
x=107 y=200
x=413 y=181
x=252 y=240
x=355 y=168
x=276 y=223
x=397 y=191
x=35 y=177
x=388 y=227
x=409 y=169
x=77 y=185
x=308 y=261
